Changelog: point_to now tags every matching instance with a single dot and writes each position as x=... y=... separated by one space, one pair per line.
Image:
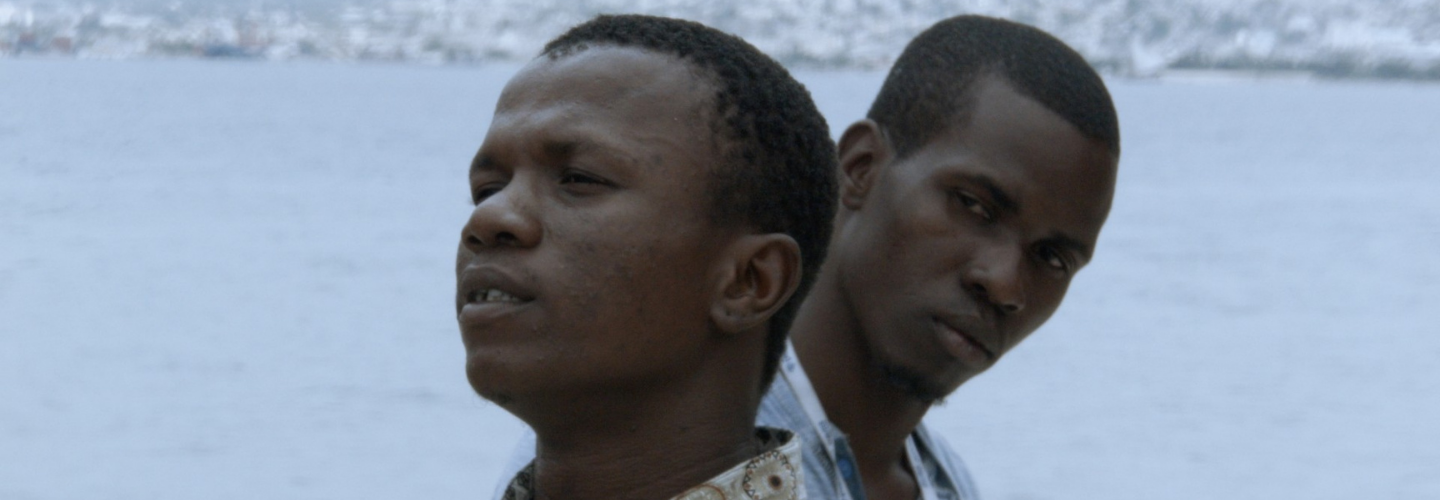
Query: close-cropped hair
x=778 y=174
x=931 y=87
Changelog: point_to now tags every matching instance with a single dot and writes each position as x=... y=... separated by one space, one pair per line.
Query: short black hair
x=931 y=85
x=779 y=175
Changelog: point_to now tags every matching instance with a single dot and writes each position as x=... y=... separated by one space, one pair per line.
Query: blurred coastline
x=1324 y=39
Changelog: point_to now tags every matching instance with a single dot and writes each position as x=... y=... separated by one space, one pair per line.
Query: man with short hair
x=970 y=197
x=635 y=255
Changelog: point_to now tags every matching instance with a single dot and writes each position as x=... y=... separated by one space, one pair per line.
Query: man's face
x=587 y=261
x=957 y=252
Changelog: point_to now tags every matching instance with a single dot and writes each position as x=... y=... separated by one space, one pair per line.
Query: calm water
x=229 y=280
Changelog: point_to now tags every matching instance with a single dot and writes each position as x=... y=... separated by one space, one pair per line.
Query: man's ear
x=761 y=275
x=864 y=150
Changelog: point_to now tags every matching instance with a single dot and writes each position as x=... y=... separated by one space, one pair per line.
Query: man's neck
x=876 y=415
x=653 y=446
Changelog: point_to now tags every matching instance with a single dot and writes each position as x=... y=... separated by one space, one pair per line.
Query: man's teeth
x=493 y=295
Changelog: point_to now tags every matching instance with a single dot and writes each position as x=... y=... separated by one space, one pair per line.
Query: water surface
x=230 y=280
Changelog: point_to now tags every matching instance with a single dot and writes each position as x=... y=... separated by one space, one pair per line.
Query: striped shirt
x=830 y=468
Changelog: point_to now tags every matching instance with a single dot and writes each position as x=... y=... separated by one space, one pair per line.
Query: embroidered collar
x=773 y=475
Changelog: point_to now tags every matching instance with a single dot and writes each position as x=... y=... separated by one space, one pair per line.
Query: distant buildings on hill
x=1327 y=38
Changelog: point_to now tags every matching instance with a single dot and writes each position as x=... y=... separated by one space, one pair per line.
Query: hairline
x=962 y=113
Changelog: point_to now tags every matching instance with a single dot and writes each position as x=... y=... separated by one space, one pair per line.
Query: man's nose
x=506 y=218
x=996 y=276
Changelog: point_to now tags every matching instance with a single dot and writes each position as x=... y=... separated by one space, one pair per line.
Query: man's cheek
x=599 y=283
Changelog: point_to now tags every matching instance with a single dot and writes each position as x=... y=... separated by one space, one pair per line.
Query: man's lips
x=490 y=295
x=486 y=286
x=958 y=339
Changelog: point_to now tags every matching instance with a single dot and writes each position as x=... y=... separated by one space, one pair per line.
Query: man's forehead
x=1028 y=139
x=637 y=106
x=1026 y=158
x=634 y=103
x=606 y=75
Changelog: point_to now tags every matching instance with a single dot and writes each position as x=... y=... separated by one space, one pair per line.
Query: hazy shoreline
x=1328 y=39
x=1198 y=76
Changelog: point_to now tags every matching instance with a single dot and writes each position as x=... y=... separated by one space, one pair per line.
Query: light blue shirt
x=830 y=471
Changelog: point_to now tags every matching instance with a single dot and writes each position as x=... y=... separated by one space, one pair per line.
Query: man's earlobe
x=761 y=278
x=863 y=152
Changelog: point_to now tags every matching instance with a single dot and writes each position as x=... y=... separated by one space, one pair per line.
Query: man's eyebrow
x=562 y=148
x=482 y=162
x=1001 y=198
x=552 y=148
x=566 y=149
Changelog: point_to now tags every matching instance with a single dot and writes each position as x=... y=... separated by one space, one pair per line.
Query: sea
x=234 y=280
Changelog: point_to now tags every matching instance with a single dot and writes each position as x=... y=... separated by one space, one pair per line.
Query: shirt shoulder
x=522 y=486
x=520 y=458
x=781 y=408
x=945 y=468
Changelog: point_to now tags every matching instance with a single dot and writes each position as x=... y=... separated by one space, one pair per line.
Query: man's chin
x=489 y=384
x=915 y=384
x=499 y=398
x=487 y=389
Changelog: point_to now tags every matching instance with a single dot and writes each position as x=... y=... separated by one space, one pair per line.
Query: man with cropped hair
x=970 y=196
x=637 y=250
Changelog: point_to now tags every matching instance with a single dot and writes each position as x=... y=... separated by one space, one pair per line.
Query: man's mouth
x=491 y=290
x=486 y=295
x=963 y=344
x=481 y=308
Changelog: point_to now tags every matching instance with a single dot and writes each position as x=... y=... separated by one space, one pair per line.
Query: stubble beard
x=908 y=381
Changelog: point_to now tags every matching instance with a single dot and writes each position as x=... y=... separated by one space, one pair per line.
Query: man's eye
x=479 y=195
x=1054 y=259
x=581 y=183
x=579 y=178
x=974 y=205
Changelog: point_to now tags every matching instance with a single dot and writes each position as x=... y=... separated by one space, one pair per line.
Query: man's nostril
x=980 y=290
